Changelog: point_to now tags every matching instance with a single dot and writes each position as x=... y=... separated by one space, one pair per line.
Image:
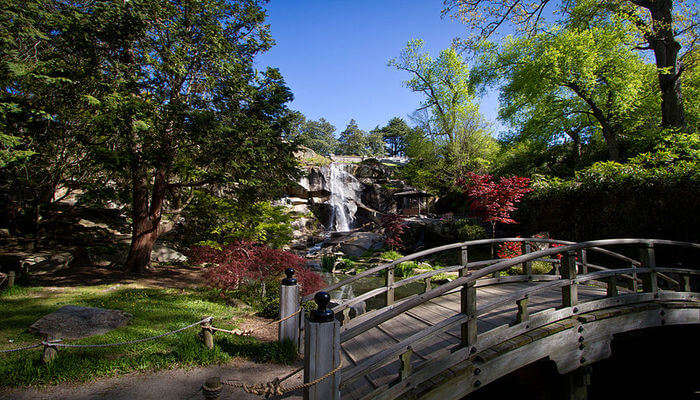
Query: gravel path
x=181 y=384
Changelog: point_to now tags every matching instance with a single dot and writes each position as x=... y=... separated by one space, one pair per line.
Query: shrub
x=467 y=231
x=391 y=255
x=327 y=263
x=393 y=227
x=241 y=264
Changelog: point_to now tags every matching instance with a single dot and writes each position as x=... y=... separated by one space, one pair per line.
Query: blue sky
x=333 y=56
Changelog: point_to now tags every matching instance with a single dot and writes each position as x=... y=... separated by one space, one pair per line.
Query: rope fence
x=205 y=323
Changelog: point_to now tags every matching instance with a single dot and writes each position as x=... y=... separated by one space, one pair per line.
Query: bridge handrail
x=378 y=360
x=417 y=299
x=452 y=246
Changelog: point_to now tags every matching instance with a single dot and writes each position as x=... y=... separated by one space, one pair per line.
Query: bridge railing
x=569 y=280
x=465 y=266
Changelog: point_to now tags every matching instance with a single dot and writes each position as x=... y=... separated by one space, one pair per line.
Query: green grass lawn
x=154 y=311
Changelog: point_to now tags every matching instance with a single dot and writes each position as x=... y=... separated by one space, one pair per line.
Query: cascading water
x=343 y=187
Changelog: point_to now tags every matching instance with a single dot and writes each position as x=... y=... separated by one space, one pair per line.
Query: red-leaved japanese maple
x=247 y=262
x=393 y=227
x=494 y=200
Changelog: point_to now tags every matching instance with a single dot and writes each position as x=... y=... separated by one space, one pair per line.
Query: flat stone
x=75 y=322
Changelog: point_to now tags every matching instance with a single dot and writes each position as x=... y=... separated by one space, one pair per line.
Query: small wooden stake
x=10 y=279
x=50 y=352
x=207 y=334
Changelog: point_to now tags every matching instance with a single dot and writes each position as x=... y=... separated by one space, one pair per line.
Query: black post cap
x=289 y=280
x=323 y=313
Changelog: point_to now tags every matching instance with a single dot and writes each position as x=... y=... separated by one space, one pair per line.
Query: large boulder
x=317 y=182
x=357 y=243
x=166 y=254
x=75 y=322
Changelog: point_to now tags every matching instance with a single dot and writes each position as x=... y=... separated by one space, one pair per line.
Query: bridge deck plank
x=401 y=327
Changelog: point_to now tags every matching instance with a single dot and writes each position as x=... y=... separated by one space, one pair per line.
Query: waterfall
x=343 y=187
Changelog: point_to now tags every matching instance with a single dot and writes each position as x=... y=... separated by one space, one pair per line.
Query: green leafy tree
x=567 y=83
x=166 y=100
x=664 y=31
x=353 y=140
x=455 y=136
x=394 y=135
x=316 y=135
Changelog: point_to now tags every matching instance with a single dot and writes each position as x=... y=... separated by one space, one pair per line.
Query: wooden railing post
x=468 y=307
x=612 y=286
x=427 y=284
x=569 y=293
x=523 y=312
x=405 y=360
x=584 y=262
x=648 y=258
x=525 y=248
x=322 y=351
x=289 y=304
x=464 y=260
x=686 y=283
x=389 y=286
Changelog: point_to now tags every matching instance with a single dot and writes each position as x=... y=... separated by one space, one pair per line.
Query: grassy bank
x=154 y=311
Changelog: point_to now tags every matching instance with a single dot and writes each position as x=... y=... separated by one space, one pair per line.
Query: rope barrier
x=248 y=332
x=57 y=343
x=239 y=332
x=275 y=387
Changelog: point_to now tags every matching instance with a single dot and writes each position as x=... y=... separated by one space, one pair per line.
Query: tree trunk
x=145 y=219
x=665 y=46
x=610 y=133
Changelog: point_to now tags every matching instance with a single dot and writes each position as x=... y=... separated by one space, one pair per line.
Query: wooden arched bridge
x=454 y=338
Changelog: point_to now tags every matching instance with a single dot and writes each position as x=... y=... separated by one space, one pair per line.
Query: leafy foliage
x=224 y=220
x=393 y=227
x=494 y=200
x=250 y=264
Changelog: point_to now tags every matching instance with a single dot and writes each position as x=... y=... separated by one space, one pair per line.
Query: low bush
x=249 y=270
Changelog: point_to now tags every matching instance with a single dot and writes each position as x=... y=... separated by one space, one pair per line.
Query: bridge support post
x=468 y=307
x=577 y=384
x=569 y=293
x=649 y=280
x=463 y=261
x=289 y=305
x=322 y=351
x=389 y=286
x=525 y=248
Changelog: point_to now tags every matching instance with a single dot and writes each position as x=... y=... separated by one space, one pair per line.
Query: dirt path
x=180 y=384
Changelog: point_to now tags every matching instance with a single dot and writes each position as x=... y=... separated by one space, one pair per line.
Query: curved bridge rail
x=408 y=374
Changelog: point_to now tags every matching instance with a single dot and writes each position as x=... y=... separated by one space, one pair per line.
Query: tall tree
x=566 y=82
x=655 y=22
x=168 y=101
x=394 y=135
x=319 y=135
x=456 y=138
x=353 y=140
